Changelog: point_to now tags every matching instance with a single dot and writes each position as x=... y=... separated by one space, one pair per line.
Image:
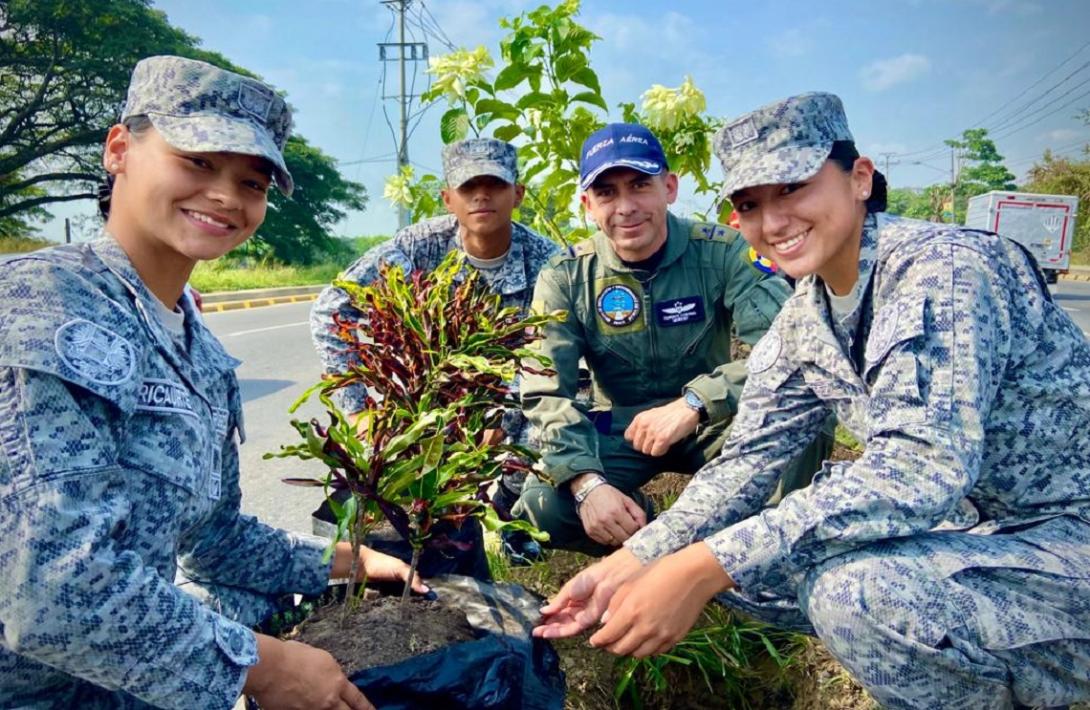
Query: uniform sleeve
x=567 y=437
x=70 y=596
x=777 y=417
x=753 y=298
x=334 y=302
x=934 y=358
x=239 y=550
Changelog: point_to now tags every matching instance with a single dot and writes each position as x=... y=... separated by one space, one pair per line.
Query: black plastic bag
x=470 y=561
x=505 y=669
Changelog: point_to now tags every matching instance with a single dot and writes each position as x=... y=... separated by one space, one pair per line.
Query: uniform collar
x=677 y=240
x=512 y=277
x=204 y=347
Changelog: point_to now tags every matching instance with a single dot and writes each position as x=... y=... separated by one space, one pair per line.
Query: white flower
x=665 y=108
x=398 y=188
x=453 y=71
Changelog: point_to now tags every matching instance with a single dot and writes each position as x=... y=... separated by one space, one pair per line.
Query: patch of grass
x=844 y=438
x=219 y=275
x=18 y=245
x=1080 y=258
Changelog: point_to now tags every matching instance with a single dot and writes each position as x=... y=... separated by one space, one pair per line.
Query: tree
x=986 y=172
x=65 y=67
x=1065 y=176
x=296 y=230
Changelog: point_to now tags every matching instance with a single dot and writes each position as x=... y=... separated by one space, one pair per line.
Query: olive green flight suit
x=646 y=336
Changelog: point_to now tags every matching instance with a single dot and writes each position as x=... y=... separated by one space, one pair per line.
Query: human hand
x=655 y=430
x=580 y=603
x=293 y=676
x=374 y=566
x=654 y=610
x=609 y=516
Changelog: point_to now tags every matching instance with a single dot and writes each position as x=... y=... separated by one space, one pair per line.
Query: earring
x=114 y=167
x=866 y=195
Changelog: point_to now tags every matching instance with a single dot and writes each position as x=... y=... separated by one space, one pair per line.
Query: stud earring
x=114 y=167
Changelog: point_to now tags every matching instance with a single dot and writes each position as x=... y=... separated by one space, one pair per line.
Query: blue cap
x=620 y=145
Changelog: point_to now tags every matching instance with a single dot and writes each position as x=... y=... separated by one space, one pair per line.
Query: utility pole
x=406 y=51
x=887 y=156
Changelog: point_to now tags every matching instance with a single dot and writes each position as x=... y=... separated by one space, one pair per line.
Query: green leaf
x=511 y=76
x=454 y=125
x=499 y=109
x=567 y=65
x=587 y=78
x=591 y=97
x=535 y=99
x=508 y=132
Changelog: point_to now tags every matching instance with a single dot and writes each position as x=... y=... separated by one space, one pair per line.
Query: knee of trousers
x=549 y=511
x=859 y=603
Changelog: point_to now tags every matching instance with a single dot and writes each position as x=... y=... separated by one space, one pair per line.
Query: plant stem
x=350 y=593
x=409 y=582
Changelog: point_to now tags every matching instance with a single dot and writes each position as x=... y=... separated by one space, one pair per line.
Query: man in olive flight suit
x=652 y=303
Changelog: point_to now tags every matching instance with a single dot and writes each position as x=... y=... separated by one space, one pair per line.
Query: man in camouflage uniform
x=482 y=190
x=949 y=566
x=652 y=301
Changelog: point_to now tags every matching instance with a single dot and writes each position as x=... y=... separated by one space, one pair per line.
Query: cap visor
x=646 y=167
x=460 y=176
x=221 y=134
x=778 y=167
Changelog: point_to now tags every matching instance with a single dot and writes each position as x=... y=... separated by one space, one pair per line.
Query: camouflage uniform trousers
x=948 y=620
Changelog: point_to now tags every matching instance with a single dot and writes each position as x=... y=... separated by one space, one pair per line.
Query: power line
x=1014 y=117
x=1029 y=88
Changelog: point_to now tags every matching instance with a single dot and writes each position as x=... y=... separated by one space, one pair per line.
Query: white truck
x=1044 y=224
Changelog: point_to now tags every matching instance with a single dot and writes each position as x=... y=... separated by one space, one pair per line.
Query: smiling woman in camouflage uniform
x=119 y=413
x=949 y=566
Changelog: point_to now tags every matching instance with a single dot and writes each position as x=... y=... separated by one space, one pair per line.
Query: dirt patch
x=378 y=634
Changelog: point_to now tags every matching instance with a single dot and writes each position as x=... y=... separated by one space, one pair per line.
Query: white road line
x=1070 y=310
x=262 y=330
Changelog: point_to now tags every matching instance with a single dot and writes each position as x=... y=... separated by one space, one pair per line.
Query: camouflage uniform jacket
x=969 y=385
x=645 y=336
x=118 y=466
x=421 y=247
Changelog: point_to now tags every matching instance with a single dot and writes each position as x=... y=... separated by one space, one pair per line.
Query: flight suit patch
x=762 y=264
x=618 y=305
x=680 y=311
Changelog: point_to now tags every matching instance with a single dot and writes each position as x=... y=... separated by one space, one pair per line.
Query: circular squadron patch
x=100 y=355
x=883 y=332
x=618 y=305
x=764 y=353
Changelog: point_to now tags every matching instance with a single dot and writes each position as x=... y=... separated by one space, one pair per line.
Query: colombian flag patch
x=761 y=263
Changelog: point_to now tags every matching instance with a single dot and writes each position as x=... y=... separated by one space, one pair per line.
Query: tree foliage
x=64 y=71
x=984 y=173
x=547 y=99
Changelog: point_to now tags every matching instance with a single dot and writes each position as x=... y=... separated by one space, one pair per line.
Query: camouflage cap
x=783 y=142
x=473 y=157
x=201 y=108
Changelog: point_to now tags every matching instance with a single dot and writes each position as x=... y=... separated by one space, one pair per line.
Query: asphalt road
x=278 y=364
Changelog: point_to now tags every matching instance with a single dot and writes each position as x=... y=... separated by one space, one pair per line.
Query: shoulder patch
x=573 y=251
x=765 y=352
x=761 y=263
x=100 y=355
x=712 y=231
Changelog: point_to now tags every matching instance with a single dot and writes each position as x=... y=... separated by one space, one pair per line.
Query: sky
x=911 y=73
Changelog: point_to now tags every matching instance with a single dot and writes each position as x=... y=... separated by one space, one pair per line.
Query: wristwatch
x=693 y=402
x=589 y=485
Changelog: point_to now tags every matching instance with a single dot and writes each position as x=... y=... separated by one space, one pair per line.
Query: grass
x=17 y=245
x=213 y=276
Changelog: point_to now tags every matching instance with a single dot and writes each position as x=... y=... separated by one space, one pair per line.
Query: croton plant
x=437 y=354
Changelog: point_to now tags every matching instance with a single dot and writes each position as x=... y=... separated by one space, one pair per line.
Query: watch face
x=693 y=400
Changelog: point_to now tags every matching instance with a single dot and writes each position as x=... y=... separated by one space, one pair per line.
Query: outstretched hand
x=581 y=602
x=654 y=610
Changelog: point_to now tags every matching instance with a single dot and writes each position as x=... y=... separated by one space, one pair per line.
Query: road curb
x=258 y=297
